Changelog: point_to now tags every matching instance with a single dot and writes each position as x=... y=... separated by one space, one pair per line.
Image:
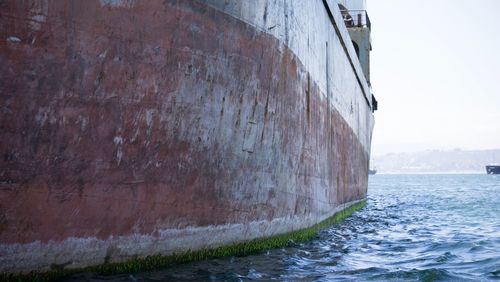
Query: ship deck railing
x=356 y=18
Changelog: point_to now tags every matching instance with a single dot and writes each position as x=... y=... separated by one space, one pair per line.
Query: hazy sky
x=436 y=74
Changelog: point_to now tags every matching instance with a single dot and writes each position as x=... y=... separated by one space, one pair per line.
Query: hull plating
x=133 y=128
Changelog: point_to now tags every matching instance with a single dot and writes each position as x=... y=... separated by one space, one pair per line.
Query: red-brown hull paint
x=165 y=115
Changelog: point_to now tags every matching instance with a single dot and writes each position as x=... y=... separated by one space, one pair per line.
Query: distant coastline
x=436 y=162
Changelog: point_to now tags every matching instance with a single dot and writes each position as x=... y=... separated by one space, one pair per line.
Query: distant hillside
x=435 y=161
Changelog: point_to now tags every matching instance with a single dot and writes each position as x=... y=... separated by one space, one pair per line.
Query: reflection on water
x=414 y=228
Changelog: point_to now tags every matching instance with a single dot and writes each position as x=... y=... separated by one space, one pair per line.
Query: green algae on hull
x=156 y=262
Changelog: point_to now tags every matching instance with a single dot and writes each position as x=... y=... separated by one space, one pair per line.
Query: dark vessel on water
x=493 y=169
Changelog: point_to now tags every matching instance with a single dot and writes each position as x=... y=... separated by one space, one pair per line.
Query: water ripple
x=414 y=228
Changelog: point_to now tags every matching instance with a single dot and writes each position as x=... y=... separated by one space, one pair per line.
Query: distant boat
x=372 y=171
x=493 y=169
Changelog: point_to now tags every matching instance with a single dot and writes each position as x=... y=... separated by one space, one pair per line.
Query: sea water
x=413 y=228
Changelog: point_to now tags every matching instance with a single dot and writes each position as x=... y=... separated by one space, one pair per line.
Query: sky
x=435 y=71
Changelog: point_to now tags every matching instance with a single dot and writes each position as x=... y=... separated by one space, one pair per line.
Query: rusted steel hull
x=130 y=128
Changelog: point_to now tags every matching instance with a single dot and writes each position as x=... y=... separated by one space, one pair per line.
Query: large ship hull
x=131 y=128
